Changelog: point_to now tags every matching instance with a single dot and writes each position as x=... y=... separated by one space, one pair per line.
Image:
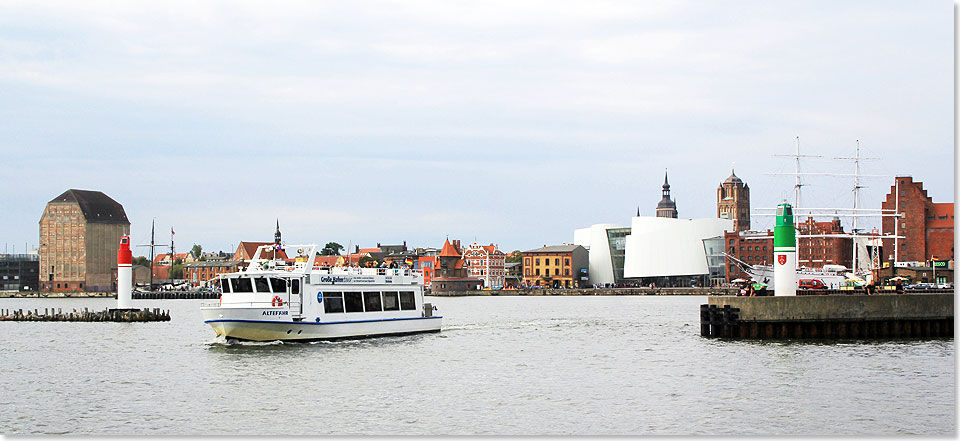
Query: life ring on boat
x=277 y=301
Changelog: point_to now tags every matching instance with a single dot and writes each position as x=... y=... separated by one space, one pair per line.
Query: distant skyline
x=506 y=122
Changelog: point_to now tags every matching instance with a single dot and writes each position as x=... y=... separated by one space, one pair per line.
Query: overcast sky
x=511 y=122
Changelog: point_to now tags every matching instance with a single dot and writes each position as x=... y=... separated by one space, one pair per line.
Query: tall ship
x=865 y=245
x=275 y=298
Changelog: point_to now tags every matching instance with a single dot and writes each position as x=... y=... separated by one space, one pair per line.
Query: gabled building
x=485 y=262
x=80 y=234
x=450 y=272
x=926 y=226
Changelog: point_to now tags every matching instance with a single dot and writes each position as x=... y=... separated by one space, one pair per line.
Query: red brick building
x=199 y=272
x=815 y=252
x=756 y=247
x=450 y=272
x=752 y=247
x=733 y=202
x=926 y=227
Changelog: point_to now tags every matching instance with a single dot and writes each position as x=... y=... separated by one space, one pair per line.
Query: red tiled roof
x=369 y=250
x=162 y=257
x=449 y=250
x=250 y=248
x=327 y=260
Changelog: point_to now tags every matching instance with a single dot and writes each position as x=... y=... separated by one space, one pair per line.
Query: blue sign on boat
x=319 y=296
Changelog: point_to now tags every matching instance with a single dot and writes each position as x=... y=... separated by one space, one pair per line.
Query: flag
x=408 y=261
x=171 y=231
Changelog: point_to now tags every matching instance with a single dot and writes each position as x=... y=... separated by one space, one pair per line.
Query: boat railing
x=245 y=304
x=348 y=271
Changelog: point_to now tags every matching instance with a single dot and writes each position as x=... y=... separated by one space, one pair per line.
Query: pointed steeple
x=638 y=211
x=666 y=207
x=276 y=234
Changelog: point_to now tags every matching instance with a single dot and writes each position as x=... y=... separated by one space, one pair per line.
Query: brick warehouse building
x=80 y=234
x=926 y=227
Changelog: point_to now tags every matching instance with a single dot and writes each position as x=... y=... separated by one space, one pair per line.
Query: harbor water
x=622 y=365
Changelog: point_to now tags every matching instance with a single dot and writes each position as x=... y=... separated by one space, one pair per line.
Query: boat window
x=296 y=286
x=262 y=285
x=353 y=302
x=241 y=284
x=371 y=301
x=332 y=302
x=390 y=301
x=407 y=301
x=224 y=285
x=278 y=284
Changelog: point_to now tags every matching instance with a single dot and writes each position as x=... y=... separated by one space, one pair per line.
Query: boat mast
x=153 y=245
x=856 y=201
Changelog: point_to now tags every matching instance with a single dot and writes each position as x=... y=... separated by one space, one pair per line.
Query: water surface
x=628 y=365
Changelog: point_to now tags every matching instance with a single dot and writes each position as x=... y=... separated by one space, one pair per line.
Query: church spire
x=666 y=207
x=276 y=234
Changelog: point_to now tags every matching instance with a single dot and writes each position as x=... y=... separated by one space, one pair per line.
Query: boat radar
x=785 y=253
x=124 y=274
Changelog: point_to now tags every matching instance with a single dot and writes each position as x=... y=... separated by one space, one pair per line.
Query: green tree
x=196 y=251
x=366 y=259
x=176 y=271
x=331 y=249
x=514 y=257
x=142 y=261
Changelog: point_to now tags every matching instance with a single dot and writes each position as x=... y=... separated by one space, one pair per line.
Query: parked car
x=812 y=284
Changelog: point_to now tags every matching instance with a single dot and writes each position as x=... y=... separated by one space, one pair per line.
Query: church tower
x=666 y=207
x=733 y=202
x=276 y=234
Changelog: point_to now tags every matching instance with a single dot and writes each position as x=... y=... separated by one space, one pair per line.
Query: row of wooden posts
x=725 y=322
x=86 y=315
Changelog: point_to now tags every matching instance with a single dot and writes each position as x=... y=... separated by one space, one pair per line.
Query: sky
x=507 y=122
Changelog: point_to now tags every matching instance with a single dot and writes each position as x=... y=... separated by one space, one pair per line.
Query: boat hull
x=241 y=326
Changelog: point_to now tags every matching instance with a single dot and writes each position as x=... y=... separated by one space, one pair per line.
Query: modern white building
x=664 y=247
x=652 y=247
x=606 y=245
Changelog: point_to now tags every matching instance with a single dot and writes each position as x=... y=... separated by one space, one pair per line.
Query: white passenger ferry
x=273 y=299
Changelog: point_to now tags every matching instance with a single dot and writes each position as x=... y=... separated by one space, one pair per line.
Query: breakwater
x=645 y=291
x=829 y=316
x=85 y=315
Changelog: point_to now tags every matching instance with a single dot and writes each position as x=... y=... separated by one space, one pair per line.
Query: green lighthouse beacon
x=784 y=253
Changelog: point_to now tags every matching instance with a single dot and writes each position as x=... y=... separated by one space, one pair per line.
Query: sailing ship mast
x=153 y=245
x=856 y=212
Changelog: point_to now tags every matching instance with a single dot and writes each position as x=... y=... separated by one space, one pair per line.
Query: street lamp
x=933 y=264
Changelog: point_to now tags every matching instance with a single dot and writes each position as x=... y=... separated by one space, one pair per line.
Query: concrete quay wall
x=592 y=292
x=839 y=307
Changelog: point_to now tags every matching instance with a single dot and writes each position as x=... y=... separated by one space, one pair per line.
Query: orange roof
x=369 y=250
x=250 y=248
x=449 y=250
x=326 y=260
x=164 y=256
